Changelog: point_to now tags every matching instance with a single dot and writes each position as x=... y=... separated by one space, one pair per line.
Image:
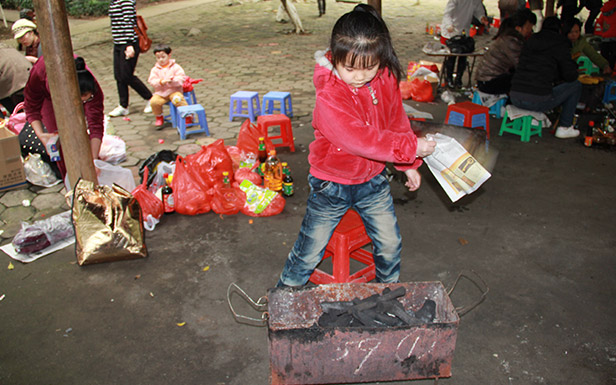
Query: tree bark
x=66 y=99
x=289 y=8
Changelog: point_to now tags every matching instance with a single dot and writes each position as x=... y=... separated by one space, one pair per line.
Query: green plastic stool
x=522 y=126
x=586 y=66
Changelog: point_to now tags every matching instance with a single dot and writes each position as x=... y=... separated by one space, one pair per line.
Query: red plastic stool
x=346 y=242
x=264 y=122
x=467 y=114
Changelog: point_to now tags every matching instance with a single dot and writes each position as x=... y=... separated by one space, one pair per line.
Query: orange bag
x=421 y=90
x=150 y=205
x=189 y=190
x=142 y=33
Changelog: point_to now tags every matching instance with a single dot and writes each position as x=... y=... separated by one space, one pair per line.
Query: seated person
x=14 y=72
x=581 y=47
x=496 y=67
x=546 y=77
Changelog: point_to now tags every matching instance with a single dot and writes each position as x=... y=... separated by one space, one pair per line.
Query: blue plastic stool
x=250 y=111
x=286 y=107
x=190 y=97
x=495 y=109
x=522 y=126
x=183 y=112
x=610 y=92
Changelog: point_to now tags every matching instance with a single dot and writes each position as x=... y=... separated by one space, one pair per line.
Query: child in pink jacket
x=167 y=78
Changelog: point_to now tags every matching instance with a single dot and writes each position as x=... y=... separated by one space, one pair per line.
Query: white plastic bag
x=113 y=149
x=38 y=172
x=108 y=174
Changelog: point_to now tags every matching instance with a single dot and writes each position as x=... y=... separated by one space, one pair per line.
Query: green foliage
x=74 y=8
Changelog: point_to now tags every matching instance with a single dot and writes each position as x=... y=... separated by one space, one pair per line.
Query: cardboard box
x=301 y=352
x=12 y=173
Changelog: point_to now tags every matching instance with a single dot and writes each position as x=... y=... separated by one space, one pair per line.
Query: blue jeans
x=327 y=203
x=565 y=94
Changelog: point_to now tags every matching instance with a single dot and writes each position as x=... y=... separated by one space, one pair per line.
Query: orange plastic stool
x=467 y=114
x=346 y=242
x=264 y=122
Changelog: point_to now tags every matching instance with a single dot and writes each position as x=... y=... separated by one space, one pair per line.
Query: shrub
x=73 y=7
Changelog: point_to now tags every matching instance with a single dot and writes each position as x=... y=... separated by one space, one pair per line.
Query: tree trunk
x=289 y=8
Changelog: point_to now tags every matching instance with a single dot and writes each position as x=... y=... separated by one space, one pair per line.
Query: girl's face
x=357 y=76
x=27 y=39
x=574 y=34
x=162 y=58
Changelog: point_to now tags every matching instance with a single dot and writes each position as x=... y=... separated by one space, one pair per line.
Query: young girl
x=359 y=125
x=167 y=78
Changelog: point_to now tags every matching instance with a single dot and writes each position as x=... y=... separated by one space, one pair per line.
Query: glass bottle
x=287 y=181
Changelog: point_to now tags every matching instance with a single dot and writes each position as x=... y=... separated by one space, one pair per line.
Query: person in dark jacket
x=546 y=76
x=594 y=7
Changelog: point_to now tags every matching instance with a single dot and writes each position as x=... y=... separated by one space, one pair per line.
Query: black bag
x=461 y=44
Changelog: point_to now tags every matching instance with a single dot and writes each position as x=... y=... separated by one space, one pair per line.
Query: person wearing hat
x=24 y=31
x=14 y=73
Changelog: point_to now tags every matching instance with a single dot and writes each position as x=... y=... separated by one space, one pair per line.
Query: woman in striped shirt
x=125 y=54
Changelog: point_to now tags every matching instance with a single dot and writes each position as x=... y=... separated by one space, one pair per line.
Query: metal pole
x=55 y=37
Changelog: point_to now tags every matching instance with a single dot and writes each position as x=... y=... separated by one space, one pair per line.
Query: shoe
x=566 y=132
x=160 y=120
x=147 y=109
x=119 y=111
x=189 y=120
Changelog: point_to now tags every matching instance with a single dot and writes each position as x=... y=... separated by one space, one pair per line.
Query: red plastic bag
x=188 y=84
x=248 y=138
x=248 y=173
x=414 y=66
x=189 y=190
x=274 y=208
x=421 y=90
x=210 y=162
x=227 y=201
x=150 y=205
x=17 y=120
x=405 y=89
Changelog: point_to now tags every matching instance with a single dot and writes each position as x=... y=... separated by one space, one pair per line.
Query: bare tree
x=287 y=7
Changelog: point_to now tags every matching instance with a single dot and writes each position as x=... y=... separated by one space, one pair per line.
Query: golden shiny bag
x=108 y=225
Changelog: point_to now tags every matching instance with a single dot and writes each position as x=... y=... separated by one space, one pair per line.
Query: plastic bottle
x=261 y=155
x=287 y=181
x=225 y=180
x=167 y=198
x=272 y=172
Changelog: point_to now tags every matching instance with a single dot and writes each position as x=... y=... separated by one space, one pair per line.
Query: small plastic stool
x=190 y=97
x=496 y=108
x=586 y=66
x=252 y=109
x=183 y=112
x=609 y=94
x=284 y=98
x=265 y=122
x=467 y=114
x=522 y=126
x=345 y=244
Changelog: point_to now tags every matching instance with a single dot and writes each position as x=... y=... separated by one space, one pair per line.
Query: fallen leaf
x=276 y=52
x=151 y=294
x=250 y=221
x=137 y=276
x=206 y=268
x=180 y=324
x=463 y=241
x=11 y=267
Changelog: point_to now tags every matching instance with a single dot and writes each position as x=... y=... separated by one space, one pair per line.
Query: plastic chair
x=522 y=126
x=610 y=92
x=495 y=109
x=345 y=244
x=252 y=109
x=265 y=122
x=467 y=114
x=284 y=98
x=190 y=97
x=586 y=66
x=182 y=127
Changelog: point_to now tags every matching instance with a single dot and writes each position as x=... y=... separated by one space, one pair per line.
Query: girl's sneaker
x=119 y=111
x=566 y=132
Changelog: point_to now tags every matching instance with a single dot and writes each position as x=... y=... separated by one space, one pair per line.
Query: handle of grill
x=259 y=305
x=472 y=276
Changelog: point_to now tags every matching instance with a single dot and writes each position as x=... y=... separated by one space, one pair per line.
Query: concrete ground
x=540 y=232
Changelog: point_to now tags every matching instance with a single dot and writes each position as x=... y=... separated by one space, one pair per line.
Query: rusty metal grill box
x=301 y=352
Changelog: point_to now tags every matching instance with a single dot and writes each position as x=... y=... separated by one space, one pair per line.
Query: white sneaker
x=119 y=111
x=148 y=108
x=566 y=132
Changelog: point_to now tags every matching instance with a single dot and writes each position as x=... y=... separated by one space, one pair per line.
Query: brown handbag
x=142 y=32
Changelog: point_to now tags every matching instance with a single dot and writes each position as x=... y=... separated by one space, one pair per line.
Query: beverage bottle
x=287 y=181
x=225 y=180
x=166 y=194
x=261 y=155
x=272 y=173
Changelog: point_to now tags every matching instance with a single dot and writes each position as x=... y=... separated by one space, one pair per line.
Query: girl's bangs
x=358 y=55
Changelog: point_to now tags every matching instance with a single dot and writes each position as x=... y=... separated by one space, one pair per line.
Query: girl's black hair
x=162 y=48
x=568 y=25
x=552 y=23
x=86 y=80
x=362 y=36
x=507 y=28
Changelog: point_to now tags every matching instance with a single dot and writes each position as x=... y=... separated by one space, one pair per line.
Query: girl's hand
x=425 y=147
x=129 y=52
x=45 y=138
x=413 y=179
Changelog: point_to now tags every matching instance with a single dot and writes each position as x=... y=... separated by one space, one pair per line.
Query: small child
x=167 y=78
x=359 y=125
